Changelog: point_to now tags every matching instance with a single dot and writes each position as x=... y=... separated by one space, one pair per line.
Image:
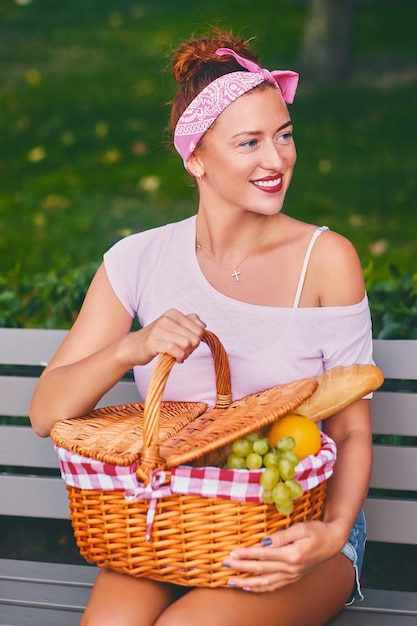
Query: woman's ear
x=195 y=166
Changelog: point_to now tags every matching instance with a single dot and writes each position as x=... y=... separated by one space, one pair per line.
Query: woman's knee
x=122 y=600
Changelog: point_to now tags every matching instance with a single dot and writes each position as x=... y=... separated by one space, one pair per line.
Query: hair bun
x=191 y=56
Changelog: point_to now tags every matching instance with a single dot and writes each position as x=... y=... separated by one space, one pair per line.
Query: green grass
x=85 y=85
x=84 y=156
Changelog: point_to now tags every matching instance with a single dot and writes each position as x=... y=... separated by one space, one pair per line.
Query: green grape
x=269 y=478
x=291 y=456
x=242 y=447
x=285 y=443
x=286 y=469
x=267 y=496
x=281 y=493
x=253 y=461
x=271 y=459
x=235 y=462
x=295 y=488
x=261 y=446
x=286 y=507
x=252 y=437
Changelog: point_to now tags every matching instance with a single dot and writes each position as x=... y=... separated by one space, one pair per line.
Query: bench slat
x=29 y=346
x=380 y=607
x=378 y=618
x=19 y=446
x=394 y=413
x=396 y=357
x=398 y=602
x=16 y=394
x=15 y=615
x=394 y=467
x=28 y=590
x=38 y=497
x=391 y=521
x=19 y=570
x=37 y=452
x=39 y=594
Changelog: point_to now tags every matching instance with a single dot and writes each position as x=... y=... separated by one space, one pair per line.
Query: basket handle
x=150 y=458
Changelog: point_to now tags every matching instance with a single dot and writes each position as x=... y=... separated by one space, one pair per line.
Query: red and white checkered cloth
x=211 y=482
x=215 y=482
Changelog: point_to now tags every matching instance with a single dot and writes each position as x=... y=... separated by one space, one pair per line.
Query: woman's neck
x=229 y=240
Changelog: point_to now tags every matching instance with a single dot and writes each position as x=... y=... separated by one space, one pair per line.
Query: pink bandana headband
x=213 y=99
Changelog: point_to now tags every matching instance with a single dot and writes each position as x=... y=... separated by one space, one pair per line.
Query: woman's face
x=248 y=155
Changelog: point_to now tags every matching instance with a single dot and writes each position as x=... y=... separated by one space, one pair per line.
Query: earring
x=199 y=176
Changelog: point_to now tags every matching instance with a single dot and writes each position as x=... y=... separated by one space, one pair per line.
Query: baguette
x=339 y=387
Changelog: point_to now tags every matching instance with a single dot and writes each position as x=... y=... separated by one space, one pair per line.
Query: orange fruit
x=305 y=432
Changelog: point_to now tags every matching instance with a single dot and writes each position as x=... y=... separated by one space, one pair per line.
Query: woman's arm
x=100 y=349
x=288 y=554
x=347 y=488
x=335 y=275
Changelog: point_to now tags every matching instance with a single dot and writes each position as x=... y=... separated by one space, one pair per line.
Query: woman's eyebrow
x=289 y=123
x=258 y=132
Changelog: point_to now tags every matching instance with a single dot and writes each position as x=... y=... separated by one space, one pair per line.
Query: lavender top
x=155 y=270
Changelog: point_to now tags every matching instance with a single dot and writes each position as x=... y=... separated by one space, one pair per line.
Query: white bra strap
x=305 y=265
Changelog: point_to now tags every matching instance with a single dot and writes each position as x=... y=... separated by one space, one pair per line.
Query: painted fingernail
x=226 y=564
x=234 y=555
x=246 y=588
x=267 y=541
x=231 y=583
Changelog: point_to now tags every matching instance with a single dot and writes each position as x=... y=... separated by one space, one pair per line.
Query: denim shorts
x=354 y=550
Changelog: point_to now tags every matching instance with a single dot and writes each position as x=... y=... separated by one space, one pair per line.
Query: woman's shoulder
x=337 y=248
x=334 y=267
x=157 y=236
x=337 y=263
x=330 y=243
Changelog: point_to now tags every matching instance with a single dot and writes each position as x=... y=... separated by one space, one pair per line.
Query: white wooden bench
x=42 y=594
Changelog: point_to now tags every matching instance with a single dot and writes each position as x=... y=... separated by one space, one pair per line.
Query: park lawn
x=85 y=157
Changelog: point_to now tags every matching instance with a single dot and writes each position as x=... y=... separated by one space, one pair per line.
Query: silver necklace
x=235 y=272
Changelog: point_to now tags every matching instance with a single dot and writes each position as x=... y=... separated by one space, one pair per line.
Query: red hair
x=196 y=65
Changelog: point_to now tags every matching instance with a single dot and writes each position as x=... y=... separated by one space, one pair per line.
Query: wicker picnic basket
x=119 y=463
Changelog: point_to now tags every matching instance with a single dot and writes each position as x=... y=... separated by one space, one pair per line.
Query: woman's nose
x=272 y=157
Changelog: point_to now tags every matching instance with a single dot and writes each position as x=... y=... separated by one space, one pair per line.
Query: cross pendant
x=235 y=274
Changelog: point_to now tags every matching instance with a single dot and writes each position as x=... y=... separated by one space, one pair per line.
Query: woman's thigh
x=311 y=601
x=122 y=600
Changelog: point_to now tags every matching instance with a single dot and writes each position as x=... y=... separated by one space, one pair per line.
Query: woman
x=287 y=300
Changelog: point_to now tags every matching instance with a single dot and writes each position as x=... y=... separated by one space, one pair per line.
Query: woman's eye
x=251 y=143
x=285 y=137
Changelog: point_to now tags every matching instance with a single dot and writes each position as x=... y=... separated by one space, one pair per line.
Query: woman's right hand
x=173 y=333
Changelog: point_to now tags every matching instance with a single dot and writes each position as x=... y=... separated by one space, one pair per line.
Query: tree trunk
x=326 y=53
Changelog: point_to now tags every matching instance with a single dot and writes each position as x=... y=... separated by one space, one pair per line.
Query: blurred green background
x=85 y=159
x=84 y=101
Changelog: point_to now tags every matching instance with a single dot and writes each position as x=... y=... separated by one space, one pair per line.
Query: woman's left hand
x=284 y=556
